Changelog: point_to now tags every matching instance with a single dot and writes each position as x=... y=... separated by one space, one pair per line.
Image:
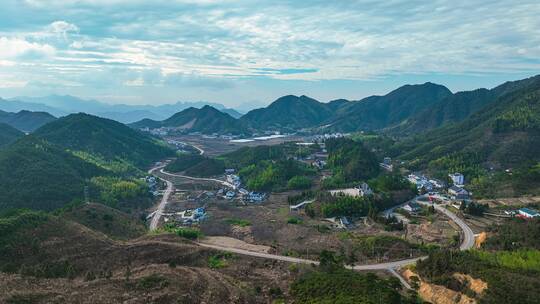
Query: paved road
x=468 y=241
x=378 y=266
x=164 y=199
x=468 y=234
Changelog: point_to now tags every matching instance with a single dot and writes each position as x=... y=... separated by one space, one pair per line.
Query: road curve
x=468 y=240
x=468 y=234
x=378 y=266
x=224 y=183
x=164 y=200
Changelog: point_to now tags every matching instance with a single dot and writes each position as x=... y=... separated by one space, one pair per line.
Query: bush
x=294 y=221
x=299 y=183
x=238 y=222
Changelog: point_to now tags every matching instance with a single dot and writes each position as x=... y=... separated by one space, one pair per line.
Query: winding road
x=467 y=243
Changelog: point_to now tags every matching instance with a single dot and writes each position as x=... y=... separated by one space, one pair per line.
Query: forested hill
x=378 y=112
x=506 y=133
x=26 y=121
x=8 y=134
x=290 y=113
x=458 y=107
x=38 y=175
x=103 y=138
x=207 y=120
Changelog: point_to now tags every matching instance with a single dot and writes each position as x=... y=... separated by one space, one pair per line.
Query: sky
x=248 y=53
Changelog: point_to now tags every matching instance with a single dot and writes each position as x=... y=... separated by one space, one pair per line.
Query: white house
x=361 y=190
x=355 y=192
x=457 y=179
x=528 y=213
x=412 y=207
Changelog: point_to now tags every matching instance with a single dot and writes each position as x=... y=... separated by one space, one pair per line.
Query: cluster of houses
x=456 y=191
x=238 y=191
x=152 y=183
x=188 y=217
x=424 y=183
x=322 y=137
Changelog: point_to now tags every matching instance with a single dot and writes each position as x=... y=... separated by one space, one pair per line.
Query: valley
x=184 y=209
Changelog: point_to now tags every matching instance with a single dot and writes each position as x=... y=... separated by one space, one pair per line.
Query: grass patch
x=188 y=233
x=219 y=260
x=238 y=222
x=294 y=221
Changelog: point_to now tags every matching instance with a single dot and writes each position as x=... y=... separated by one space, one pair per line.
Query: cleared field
x=218 y=146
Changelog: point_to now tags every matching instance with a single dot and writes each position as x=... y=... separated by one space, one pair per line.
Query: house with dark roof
x=458 y=193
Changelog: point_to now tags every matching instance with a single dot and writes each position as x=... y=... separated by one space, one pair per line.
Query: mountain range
x=62 y=105
x=505 y=133
x=206 y=120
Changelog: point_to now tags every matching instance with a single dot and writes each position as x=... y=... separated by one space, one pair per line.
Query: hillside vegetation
x=505 y=135
x=38 y=175
x=8 y=134
x=458 y=107
x=26 y=121
x=197 y=165
x=379 y=112
x=289 y=113
x=350 y=162
x=53 y=166
x=103 y=139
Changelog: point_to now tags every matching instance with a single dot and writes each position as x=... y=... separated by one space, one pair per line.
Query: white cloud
x=211 y=42
x=11 y=48
x=62 y=28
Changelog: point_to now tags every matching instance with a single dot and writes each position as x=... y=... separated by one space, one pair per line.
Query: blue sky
x=238 y=52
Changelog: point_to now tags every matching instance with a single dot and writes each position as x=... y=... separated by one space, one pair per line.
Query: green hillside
x=196 y=165
x=8 y=134
x=207 y=120
x=52 y=167
x=503 y=135
x=103 y=141
x=289 y=113
x=38 y=175
x=378 y=112
x=458 y=107
x=26 y=121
